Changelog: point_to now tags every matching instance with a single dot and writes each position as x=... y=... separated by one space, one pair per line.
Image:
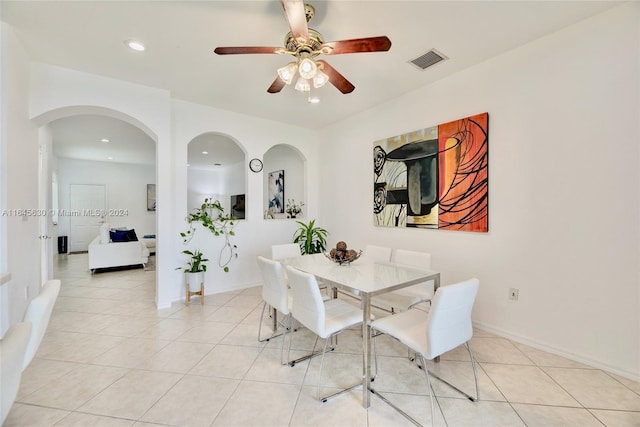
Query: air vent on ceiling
x=428 y=59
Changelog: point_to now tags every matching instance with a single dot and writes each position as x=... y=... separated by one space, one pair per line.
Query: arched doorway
x=97 y=147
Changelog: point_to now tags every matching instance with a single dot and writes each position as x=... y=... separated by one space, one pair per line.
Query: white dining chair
x=377 y=253
x=275 y=294
x=326 y=319
x=406 y=298
x=13 y=347
x=291 y=250
x=38 y=314
x=446 y=326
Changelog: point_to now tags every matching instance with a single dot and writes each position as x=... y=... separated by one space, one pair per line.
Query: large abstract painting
x=437 y=177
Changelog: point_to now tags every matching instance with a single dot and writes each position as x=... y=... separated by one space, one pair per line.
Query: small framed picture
x=238 y=206
x=151 y=197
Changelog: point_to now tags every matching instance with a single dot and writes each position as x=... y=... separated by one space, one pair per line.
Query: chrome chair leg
x=431 y=391
x=288 y=327
x=331 y=396
x=403 y=413
x=475 y=377
x=313 y=354
x=375 y=354
x=324 y=351
x=273 y=335
x=475 y=373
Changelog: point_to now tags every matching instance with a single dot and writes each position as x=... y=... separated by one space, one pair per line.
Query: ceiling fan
x=305 y=44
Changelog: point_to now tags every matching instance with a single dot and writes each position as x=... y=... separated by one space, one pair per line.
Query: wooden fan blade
x=276 y=86
x=245 y=49
x=294 y=11
x=337 y=79
x=367 y=44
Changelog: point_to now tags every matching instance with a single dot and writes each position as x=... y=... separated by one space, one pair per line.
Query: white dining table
x=364 y=278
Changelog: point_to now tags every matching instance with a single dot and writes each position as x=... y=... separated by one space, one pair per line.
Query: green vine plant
x=211 y=216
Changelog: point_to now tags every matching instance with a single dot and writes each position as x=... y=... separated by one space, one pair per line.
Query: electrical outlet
x=513 y=294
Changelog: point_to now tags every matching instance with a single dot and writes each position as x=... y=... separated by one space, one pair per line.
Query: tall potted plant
x=312 y=239
x=195 y=269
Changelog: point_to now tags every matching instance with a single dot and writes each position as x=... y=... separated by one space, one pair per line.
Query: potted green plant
x=211 y=215
x=312 y=239
x=195 y=269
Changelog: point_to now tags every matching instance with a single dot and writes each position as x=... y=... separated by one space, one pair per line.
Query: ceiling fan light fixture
x=288 y=72
x=307 y=68
x=303 y=85
x=320 y=79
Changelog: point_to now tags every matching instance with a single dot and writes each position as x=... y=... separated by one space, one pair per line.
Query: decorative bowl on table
x=341 y=255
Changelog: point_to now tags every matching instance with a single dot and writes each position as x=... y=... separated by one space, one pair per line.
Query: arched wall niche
x=217 y=170
x=291 y=162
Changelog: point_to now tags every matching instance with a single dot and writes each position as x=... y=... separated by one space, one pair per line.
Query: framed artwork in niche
x=276 y=191
x=436 y=177
x=151 y=197
x=238 y=206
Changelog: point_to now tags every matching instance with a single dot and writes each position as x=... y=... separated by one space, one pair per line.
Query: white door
x=46 y=266
x=87 y=206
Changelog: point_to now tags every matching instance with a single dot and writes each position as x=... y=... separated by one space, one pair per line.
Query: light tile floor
x=109 y=358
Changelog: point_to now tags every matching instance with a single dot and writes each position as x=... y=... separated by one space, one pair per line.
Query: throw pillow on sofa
x=123 y=235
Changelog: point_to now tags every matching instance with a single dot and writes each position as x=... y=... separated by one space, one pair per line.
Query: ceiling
x=105 y=139
x=181 y=35
x=102 y=139
x=211 y=150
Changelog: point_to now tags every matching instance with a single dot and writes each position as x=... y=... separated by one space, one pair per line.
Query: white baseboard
x=557 y=351
x=180 y=298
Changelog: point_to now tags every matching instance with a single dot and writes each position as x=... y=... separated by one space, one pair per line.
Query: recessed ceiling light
x=205 y=152
x=104 y=140
x=313 y=100
x=135 y=45
x=109 y=158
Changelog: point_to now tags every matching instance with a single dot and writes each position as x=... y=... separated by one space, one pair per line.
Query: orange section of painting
x=463 y=174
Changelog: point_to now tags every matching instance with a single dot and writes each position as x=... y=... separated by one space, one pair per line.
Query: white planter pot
x=194 y=280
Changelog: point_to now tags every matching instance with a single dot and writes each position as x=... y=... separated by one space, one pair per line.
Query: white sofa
x=150 y=243
x=116 y=254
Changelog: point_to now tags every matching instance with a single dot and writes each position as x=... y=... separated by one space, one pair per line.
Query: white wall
x=233 y=182
x=19 y=140
x=5 y=276
x=564 y=199
x=254 y=236
x=56 y=92
x=126 y=189
x=201 y=184
x=219 y=183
